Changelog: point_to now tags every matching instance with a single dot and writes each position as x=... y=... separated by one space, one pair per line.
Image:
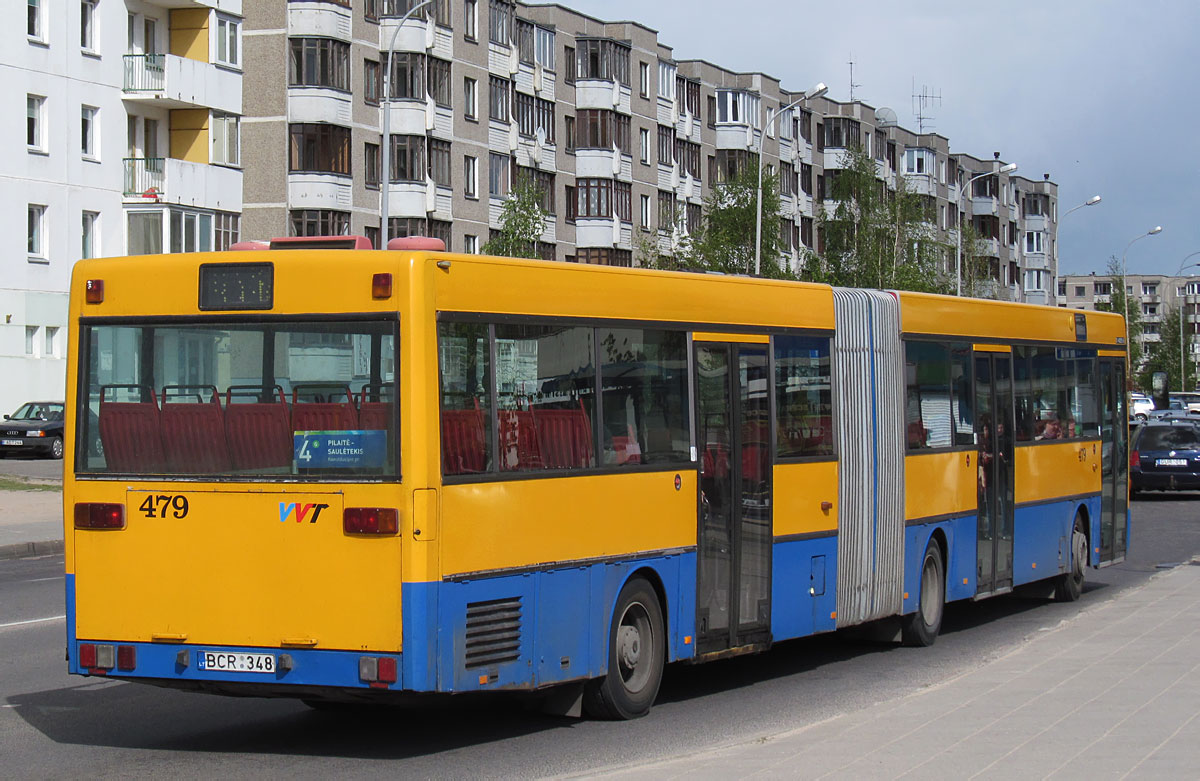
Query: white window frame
x=544 y=47
x=227 y=49
x=38 y=35
x=31 y=340
x=645 y=212
x=1035 y=243
x=225 y=133
x=35 y=108
x=89 y=128
x=644 y=142
x=1035 y=280
x=666 y=80
x=51 y=342
x=471 y=12
x=35 y=233
x=87 y=25
x=644 y=79
x=471 y=177
x=470 y=98
x=918 y=158
x=1149 y=288
x=471 y=244
x=90 y=237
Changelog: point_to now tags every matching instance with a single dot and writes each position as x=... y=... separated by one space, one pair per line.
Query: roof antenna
x=921 y=101
x=853 y=85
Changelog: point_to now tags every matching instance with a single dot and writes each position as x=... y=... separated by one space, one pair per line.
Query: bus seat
x=323 y=407
x=257 y=428
x=564 y=437
x=464 y=447
x=519 y=447
x=379 y=414
x=193 y=432
x=131 y=431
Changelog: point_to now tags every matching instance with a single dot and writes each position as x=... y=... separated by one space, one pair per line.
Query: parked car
x=1165 y=456
x=35 y=428
x=1140 y=406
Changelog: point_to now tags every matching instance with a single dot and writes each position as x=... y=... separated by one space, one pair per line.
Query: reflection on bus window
x=644 y=379
x=249 y=399
x=927 y=402
x=803 y=400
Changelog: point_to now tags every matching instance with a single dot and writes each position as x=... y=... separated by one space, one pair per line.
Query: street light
x=1183 y=318
x=1125 y=288
x=1004 y=169
x=811 y=94
x=386 y=156
x=1095 y=199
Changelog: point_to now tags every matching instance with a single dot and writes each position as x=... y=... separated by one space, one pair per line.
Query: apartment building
x=130 y=146
x=625 y=140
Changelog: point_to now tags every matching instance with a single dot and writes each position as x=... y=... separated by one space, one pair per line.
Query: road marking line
x=32 y=621
x=41 y=580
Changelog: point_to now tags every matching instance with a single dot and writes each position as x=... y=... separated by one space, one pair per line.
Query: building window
x=666 y=211
x=317 y=148
x=439 y=82
x=1149 y=289
x=543 y=182
x=319 y=62
x=372 y=82
x=545 y=48
x=572 y=204
x=87 y=25
x=623 y=201
x=687 y=154
x=225 y=139
x=666 y=145
x=225 y=230
x=37 y=230
x=644 y=79
x=569 y=129
x=985 y=187
x=373 y=162
x=320 y=222
x=471 y=244
x=34 y=21
x=787 y=179
x=470 y=20
x=524 y=41
x=30 y=337
x=371 y=14
x=228 y=34
x=644 y=212
x=35 y=123
x=500 y=21
x=471 y=176
x=403 y=227
x=687 y=96
x=439 y=12
x=51 y=342
x=644 y=144
x=439 y=161
x=569 y=64
x=602 y=129
x=190 y=231
x=1034 y=242
x=694 y=215
x=1035 y=280
x=533 y=114
x=91 y=237
x=605 y=256
x=843 y=133
x=666 y=80
x=440 y=229
x=602 y=58
x=89 y=145
x=408 y=76
x=470 y=98
x=498 y=175
x=737 y=107
x=593 y=198
x=498 y=98
x=916 y=161
x=408 y=159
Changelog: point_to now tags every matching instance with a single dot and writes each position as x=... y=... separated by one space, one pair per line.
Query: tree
x=875 y=237
x=725 y=239
x=1164 y=355
x=1134 y=324
x=522 y=222
x=978 y=281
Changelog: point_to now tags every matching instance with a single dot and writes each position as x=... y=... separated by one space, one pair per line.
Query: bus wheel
x=1069 y=586
x=921 y=627
x=636 y=652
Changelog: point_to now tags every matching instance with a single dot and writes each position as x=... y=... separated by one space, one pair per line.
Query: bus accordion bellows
x=346 y=475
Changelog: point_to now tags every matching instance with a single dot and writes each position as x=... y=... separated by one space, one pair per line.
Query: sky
x=1103 y=95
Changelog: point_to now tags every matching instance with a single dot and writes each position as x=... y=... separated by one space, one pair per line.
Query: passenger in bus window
x=1052 y=429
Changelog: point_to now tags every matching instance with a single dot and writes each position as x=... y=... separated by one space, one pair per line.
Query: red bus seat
x=193 y=433
x=564 y=437
x=314 y=408
x=464 y=446
x=131 y=431
x=519 y=448
x=377 y=415
x=257 y=428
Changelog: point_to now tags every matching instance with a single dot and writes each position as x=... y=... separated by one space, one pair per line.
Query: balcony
x=178 y=82
x=167 y=180
x=144 y=178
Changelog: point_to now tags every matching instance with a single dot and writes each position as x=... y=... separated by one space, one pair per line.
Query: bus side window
x=466 y=377
x=643 y=377
x=927 y=401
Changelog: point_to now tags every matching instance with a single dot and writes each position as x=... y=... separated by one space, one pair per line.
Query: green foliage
x=1164 y=355
x=977 y=278
x=877 y=238
x=522 y=223
x=1134 y=322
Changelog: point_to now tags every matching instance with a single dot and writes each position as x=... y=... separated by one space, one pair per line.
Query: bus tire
x=921 y=627
x=1068 y=586
x=636 y=654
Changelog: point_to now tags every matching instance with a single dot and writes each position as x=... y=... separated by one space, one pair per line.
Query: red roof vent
x=417 y=242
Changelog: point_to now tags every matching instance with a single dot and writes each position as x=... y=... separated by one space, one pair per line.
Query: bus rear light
x=126 y=657
x=370 y=520
x=87 y=655
x=381 y=286
x=379 y=671
x=97 y=515
x=97 y=658
x=95 y=291
x=387 y=669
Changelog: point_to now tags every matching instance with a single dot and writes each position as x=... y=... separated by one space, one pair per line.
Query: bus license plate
x=224 y=661
x=1171 y=462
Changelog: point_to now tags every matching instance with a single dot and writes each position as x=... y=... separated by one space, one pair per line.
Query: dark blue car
x=1166 y=456
x=34 y=429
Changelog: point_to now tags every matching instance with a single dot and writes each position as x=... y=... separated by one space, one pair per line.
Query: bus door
x=733 y=589
x=1114 y=461
x=994 y=453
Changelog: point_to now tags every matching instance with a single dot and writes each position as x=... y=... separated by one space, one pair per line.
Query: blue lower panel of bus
x=803 y=587
x=534 y=628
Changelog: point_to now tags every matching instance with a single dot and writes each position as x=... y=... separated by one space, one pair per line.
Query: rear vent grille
x=493 y=632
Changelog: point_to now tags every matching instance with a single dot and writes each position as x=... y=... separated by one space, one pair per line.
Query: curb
x=25 y=550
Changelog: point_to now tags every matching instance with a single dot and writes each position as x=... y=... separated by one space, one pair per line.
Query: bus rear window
x=280 y=398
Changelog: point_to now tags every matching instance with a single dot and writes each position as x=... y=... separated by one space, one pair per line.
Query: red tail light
x=387 y=669
x=370 y=520
x=96 y=515
x=126 y=657
x=87 y=655
x=1135 y=459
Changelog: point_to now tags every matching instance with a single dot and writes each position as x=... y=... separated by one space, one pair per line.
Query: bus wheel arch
x=636 y=649
x=921 y=627
x=1068 y=586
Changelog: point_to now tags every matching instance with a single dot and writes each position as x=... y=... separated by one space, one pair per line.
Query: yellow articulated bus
x=341 y=474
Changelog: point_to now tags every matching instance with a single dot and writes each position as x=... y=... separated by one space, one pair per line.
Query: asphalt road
x=24 y=466
x=52 y=724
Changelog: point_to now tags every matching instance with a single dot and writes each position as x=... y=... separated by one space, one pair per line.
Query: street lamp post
x=1125 y=287
x=1004 y=169
x=385 y=157
x=1183 y=319
x=1095 y=199
x=811 y=94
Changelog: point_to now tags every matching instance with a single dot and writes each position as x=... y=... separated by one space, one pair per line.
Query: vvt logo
x=301 y=511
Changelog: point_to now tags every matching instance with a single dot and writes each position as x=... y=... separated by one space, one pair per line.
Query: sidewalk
x=30 y=523
x=1114 y=691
